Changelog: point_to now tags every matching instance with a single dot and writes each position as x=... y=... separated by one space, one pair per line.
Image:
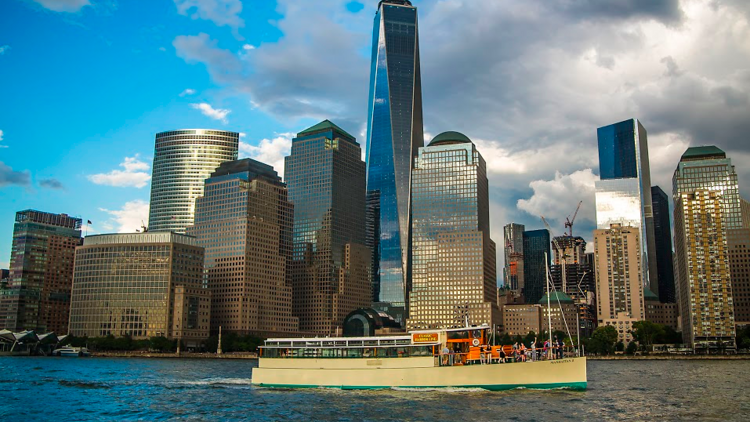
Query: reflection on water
x=149 y=389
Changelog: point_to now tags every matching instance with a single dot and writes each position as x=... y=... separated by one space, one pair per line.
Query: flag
x=88 y=222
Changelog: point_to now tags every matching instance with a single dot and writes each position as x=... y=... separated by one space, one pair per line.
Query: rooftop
x=699 y=153
x=648 y=295
x=324 y=126
x=554 y=297
x=449 y=138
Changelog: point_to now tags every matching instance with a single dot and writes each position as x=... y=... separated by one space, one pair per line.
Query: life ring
x=475 y=342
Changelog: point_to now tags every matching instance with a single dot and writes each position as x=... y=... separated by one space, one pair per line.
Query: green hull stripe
x=493 y=387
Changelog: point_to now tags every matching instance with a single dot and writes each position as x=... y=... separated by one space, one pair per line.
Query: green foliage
x=505 y=340
x=603 y=340
x=632 y=348
x=529 y=338
x=743 y=337
x=233 y=342
x=620 y=346
x=647 y=333
x=121 y=344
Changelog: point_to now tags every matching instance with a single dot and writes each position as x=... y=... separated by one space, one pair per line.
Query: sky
x=86 y=84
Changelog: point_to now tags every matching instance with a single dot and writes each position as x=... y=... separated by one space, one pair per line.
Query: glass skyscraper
x=536 y=243
x=513 y=252
x=663 y=240
x=623 y=195
x=183 y=159
x=41 y=272
x=325 y=175
x=394 y=134
x=454 y=262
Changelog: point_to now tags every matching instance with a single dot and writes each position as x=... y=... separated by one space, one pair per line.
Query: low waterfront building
x=142 y=285
x=368 y=322
x=521 y=319
x=562 y=313
x=667 y=314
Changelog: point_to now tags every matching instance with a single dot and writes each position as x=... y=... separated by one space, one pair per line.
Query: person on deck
x=445 y=354
x=533 y=350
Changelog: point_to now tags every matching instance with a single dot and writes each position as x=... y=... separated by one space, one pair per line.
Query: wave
x=217 y=381
x=442 y=389
x=82 y=384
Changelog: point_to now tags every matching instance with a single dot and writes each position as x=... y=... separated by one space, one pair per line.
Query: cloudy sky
x=85 y=85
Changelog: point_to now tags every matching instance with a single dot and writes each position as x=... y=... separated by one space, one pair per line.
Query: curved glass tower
x=183 y=160
x=394 y=134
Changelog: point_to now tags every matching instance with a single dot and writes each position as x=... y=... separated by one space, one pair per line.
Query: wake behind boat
x=417 y=360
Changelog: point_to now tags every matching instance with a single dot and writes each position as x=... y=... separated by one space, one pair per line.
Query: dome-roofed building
x=449 y=138
x=367 y=322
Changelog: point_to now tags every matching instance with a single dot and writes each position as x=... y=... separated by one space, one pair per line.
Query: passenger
x=522 y=352
x=446 y=354
x=533 y=350
x=560 y=348
x=546 y=349
x=502 y=355
x=366 y=353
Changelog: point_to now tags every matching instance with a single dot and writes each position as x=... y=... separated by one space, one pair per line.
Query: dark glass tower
x=394 y=134
x=536 y=243
x=624 y=192
x=325 y=175
x=663 y=240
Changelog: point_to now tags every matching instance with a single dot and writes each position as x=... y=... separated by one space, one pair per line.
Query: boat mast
x=549 y=314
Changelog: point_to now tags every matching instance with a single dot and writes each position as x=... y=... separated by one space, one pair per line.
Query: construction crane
x=560 y=252
x=569 y=221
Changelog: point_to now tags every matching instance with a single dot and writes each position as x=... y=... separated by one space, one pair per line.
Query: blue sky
x=86 y=84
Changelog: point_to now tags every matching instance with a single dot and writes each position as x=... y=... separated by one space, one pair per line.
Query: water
x=209 y=389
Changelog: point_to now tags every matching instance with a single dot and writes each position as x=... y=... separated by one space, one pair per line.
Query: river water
x=38 y=388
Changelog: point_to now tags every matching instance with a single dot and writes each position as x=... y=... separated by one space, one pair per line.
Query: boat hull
x=418 y=372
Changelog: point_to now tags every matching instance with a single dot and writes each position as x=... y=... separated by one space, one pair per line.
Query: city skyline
x=86 y=146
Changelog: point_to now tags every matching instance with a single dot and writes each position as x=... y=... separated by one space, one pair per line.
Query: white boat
x=416 y=360
x=72 y=352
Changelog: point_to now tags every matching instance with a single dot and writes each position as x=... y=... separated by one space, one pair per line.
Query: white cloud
x=269 y=151
x=248 y=47
x=214 y=113
x=3 y=49
x=129 y=218
x=135 y=174
x=186 y=92
x=558 y=198
x=220 y=12
x=1 y=135
x=69 y=6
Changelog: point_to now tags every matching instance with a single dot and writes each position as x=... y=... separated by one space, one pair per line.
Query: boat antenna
x=549 y=314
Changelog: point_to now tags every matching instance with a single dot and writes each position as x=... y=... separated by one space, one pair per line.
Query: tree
x=505 y=340
x=645 y=332
x=632 y=348
x=529 y=338
x=603 y=340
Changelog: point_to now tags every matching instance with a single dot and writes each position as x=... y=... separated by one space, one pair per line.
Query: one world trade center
x=394 y=134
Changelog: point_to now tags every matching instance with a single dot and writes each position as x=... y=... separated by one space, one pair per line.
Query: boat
x=72 y=352
x=445 y=358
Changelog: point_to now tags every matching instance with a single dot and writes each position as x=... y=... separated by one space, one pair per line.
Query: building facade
x=331 y=263
x=521 y=319
x=561 y=313
x=702 y=266
x=513 y=253
x=183 y=159
x=661 y=313
x=738 y=243
x=394 y=134
x=244 y=222
x=536 y=257
x=573 y=275
x=141 y=284
x=619 y=289
x=37 y=295
x=708 y=208
x=663 y=242
x=454 y=262
x=623 y=195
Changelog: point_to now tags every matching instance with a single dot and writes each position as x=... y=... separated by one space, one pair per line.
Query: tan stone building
x=562 y=313
x=140 y=284
x=661 y=313
x=522 y=319
x=244 y=222
x=703 y=272
x=454 y=270
x=739 y=263
x=619 y=283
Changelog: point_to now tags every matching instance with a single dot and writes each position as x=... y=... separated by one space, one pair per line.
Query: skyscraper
x=394 y=134
x=536 y=257
x=331 y=264
x=41 y=272
x=663 y=241
x=573 y=274
x=739 y=263
x=513 y=252
x=142 y=285
x=244 y=221
x=623 y=195
x=708 y=225
x=183 y=159
x=619 y=288
x=454 y=267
